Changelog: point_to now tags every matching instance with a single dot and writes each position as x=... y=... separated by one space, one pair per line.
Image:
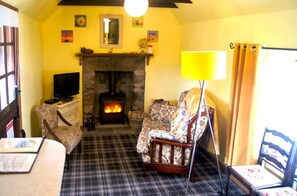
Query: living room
x=42 y=53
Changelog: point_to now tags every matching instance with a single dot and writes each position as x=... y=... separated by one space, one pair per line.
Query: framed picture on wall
x=67 y=36
x=137 y=21
x=152 y=36
x=80 y=20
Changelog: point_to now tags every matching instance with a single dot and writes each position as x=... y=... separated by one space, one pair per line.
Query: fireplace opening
x=112 y=104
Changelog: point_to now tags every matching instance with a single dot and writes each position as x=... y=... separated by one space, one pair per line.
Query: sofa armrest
x=172 y=143
x=163 y=149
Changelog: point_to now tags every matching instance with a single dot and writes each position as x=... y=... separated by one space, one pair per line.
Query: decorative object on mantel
x=86 y=50
x=150 y=49
x=142 y=43
x=136 y=8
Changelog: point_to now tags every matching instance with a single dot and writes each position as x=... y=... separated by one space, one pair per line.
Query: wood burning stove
x=112 y=108
x=112 y=104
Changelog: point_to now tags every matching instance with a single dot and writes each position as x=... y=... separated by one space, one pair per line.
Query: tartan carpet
x=110 y=165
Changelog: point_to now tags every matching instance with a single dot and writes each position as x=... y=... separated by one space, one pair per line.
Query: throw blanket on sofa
x=195 y=103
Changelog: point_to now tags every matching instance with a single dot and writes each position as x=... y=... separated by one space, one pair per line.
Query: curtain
x=241 y=131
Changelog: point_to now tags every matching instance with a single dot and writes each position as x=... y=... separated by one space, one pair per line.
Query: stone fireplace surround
x=130 y=79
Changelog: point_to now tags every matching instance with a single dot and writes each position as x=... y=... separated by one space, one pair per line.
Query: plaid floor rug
x=110 y=165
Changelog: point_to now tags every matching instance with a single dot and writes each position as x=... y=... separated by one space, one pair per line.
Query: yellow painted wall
x=30 y=38
x=276 y=29
x=162 y=73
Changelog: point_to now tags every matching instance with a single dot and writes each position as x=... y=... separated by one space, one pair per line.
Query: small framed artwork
x=152 y=36
x=67 y=36
x=80 y=20
x=137 y=21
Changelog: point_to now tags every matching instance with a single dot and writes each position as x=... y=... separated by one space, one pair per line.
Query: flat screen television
x=66 y=85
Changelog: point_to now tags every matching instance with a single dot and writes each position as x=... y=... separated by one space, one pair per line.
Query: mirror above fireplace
x=111 y=31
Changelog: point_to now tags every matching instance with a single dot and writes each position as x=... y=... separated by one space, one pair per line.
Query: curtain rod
x=268 y=48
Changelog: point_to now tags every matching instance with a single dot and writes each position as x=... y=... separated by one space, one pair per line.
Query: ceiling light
x=136 y=8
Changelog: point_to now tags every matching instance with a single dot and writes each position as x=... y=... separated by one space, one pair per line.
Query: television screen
x=66 y=85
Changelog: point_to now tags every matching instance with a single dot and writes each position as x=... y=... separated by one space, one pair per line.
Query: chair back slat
x=278 y=151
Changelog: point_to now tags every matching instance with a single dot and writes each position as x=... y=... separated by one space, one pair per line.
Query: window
x=8 y=55
x=277 y=100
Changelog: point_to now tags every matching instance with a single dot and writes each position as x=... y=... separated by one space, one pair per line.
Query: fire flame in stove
x=113 y=108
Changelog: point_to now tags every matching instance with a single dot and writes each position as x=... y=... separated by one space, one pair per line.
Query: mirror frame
x=102 y=36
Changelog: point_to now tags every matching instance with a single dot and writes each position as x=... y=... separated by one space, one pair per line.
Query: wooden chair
x=70 y=136
x=275 y=167
x=288 y=190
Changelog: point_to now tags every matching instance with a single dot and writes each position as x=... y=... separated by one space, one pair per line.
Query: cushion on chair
x=161 y=134
x=257 y=176
x=147 y=125
x=281 y=191
x=70 y=136
x=160 y=101
x=162 y=112
x=180 y=120
x=182 y=96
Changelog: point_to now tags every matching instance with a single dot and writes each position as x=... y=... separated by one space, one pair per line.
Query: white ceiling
x=186 y=13
x=212 y=9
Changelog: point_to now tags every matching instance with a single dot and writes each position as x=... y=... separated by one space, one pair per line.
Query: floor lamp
x=202 y=66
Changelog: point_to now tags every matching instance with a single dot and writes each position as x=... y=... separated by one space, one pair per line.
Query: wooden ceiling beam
x=171 y=1
x=152 y=3
x=92 y=2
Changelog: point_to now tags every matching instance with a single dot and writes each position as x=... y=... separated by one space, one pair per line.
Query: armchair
x=165 y=140
x=70 y=136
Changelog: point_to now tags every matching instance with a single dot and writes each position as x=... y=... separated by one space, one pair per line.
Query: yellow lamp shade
x=203 y=65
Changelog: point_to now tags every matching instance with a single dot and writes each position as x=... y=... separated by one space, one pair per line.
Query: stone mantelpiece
x=131 y=70
x=84 y=55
